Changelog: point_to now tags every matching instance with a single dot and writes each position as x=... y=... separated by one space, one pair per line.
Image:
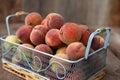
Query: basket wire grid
x=84 y=68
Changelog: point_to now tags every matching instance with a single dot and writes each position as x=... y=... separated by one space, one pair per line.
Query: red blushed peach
x=44 y=48
x=53 y=20
x=44 y=22
x=25 y=53
x=37 y=35
x=74 y=75
x=23 y=33
x=44 y=58
x=52 y=38
x=41 y=28
x=97 y=42
x=52 y=75
x=70 y=32
x=55 y=63
x=33 y=19
x=75 y=50
x=85 y=34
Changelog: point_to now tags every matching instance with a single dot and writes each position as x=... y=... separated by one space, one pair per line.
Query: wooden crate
x=29 y=75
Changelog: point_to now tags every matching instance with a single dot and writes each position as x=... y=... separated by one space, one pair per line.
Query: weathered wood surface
x=112 y=64
x=93 y=12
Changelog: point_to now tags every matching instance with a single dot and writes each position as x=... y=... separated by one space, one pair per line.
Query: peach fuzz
x=70 y=32
x=44 y=58
x=37 y=35
x=23 y=33
x=53 y=20
x=27 y=52
x=33 y=19
x=97 y=42
x=52 y=38
x=85 y=34
x=75 y=50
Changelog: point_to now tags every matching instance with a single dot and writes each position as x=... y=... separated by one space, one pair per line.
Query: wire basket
x=81 y=69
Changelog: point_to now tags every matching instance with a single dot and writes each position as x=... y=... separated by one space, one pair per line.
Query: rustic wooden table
x=112 y=63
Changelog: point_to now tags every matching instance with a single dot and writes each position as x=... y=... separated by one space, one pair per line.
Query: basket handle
x=19 y=13
x=97 y=32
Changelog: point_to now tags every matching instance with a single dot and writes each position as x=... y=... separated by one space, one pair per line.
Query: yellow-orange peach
x=61 y=50
x=56 y=63
x=12 y=38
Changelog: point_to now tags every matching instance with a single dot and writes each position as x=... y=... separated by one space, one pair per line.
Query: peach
x=53 y=20
x=61 y=50
x=52 y=75
x=23 y=33
x=55 y=66
x=85 y=34
x=44 y=58
x=44 y=22
x=12 y=38
x=97 y=42
x=33 y=19
x=70 y=32
x=42 y=28
x=74 y=75
x=25 y=53
x=52 y=38
x=17 y=60
x=37 y=35
x=75 y=50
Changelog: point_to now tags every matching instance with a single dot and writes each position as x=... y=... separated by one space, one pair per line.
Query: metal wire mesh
x=65 y=70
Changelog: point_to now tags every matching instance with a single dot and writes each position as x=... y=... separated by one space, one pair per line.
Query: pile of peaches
x=54 y=36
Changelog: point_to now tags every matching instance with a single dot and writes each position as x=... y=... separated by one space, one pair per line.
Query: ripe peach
x=23 y=33
x=85 y=34
x=25 y=53
x=74 y=75
x=52 y=75
x=53 y=20
x=44 y=48
x=52 y=38
x=75 y=50
x=33 y=19
x=44 y=22
x=44 y=58
x=12 y=38
x=42 y=28
x=69 y=33
x=15 y=59
x=37 y=35
x=55 y=66
x=97 y=42
x=61 y=50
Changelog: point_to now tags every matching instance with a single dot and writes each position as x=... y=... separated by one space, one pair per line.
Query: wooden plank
x=25 y=74
x=28 y=75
